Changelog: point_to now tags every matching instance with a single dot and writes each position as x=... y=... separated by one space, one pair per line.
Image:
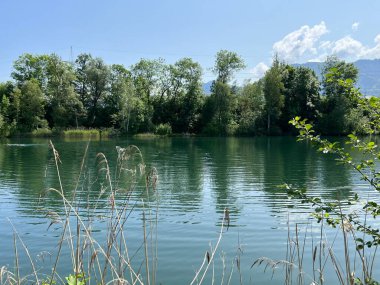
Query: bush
x=42 y=133
x=163 y=129
x=232 y=128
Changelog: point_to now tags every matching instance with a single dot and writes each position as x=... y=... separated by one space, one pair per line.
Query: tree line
x=153 y=96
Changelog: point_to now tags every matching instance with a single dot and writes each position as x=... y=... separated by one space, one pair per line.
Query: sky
x=123 y=31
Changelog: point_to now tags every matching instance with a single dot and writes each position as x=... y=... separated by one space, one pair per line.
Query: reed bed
x=131 y=186
x=85 y=133
x=311 y=256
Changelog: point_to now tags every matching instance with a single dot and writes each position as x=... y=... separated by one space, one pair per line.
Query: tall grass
x=131 y=186
x=85 y=133
x=352 y=266
x=357 y=228
x=94 y=261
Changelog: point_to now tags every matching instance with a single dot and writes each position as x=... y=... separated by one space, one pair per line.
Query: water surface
x=198 y=179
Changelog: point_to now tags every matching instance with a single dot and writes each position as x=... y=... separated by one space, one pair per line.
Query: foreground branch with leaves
x=358 y=224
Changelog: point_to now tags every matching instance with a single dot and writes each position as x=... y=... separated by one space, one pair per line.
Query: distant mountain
x=369 y=74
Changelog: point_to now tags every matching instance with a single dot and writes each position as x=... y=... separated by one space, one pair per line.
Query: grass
x=44 y=133
x=357 y=230
x=146 y=136
x=355 y=266
x=85 y=133
x=91 y=261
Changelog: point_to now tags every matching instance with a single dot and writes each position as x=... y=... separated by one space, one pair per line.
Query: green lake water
x=197 y=179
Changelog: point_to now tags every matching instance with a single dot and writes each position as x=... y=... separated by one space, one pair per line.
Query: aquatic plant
x=354 y=218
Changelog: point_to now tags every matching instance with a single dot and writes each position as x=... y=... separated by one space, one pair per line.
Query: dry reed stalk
x=118 y=218
x=26 y=251
x=67 y=211
x=336 y=266
x=16 y=257
x=98 y=247
x=146 y=249
x=213 y=251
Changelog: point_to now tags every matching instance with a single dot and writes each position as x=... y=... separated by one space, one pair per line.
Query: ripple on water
x=198 y=179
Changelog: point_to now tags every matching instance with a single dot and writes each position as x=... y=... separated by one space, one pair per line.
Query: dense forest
x=48 y=93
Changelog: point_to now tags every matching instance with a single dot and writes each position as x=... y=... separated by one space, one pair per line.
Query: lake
x=197 y=179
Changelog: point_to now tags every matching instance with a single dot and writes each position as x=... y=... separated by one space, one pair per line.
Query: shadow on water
x=198 y=179
x=218 y=172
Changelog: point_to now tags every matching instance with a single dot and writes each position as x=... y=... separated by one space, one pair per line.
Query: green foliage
x=340 y=98
x=250 y=108
x=332 y=212
x=28 y=67
x=49 y=92
x=301 y=91
x=43 y=132
x=76 y=279
x=334 y=71
x=31 y=106
x=119 y=103
x=145 y=75
x=80 y=133
x=63 y=103
x=163 y=130
x=221 y=104
x=226 y=63
x=274 y=92
x=179 y=99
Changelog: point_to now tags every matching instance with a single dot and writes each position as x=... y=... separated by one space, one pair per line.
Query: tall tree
x=250 y=108
x=274 y=92
x=226 y=63
x=189 y=75
x=222 y=107
x=81 y=82
x=181 y=105
x=146 y=74
x=93 y=77
x=6 y=90
x=339 y=100
x=64 y=106
x=118 y=103
x=301 y=91
x=31 y=106
x=28 y=67
x=335 y=70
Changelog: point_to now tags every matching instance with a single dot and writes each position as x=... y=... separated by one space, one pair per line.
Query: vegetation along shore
x=49 y=96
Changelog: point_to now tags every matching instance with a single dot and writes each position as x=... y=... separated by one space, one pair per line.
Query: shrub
x=42 y=132
x=163 y=129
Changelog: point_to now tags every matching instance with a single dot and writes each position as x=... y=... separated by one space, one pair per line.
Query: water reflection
x=198 y=179
x=193 y=173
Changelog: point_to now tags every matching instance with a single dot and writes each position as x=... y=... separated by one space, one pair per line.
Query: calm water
x=198 y=178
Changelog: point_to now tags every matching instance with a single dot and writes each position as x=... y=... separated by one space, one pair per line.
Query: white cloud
x=355 y=26
x=299 y=43
x=306 y=44
x=372 y=53
x=258 y=71
x=377 y=39
x=351 y=49
x=348 y=48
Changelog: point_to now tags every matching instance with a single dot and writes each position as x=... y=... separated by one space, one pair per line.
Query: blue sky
x=125 y=31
